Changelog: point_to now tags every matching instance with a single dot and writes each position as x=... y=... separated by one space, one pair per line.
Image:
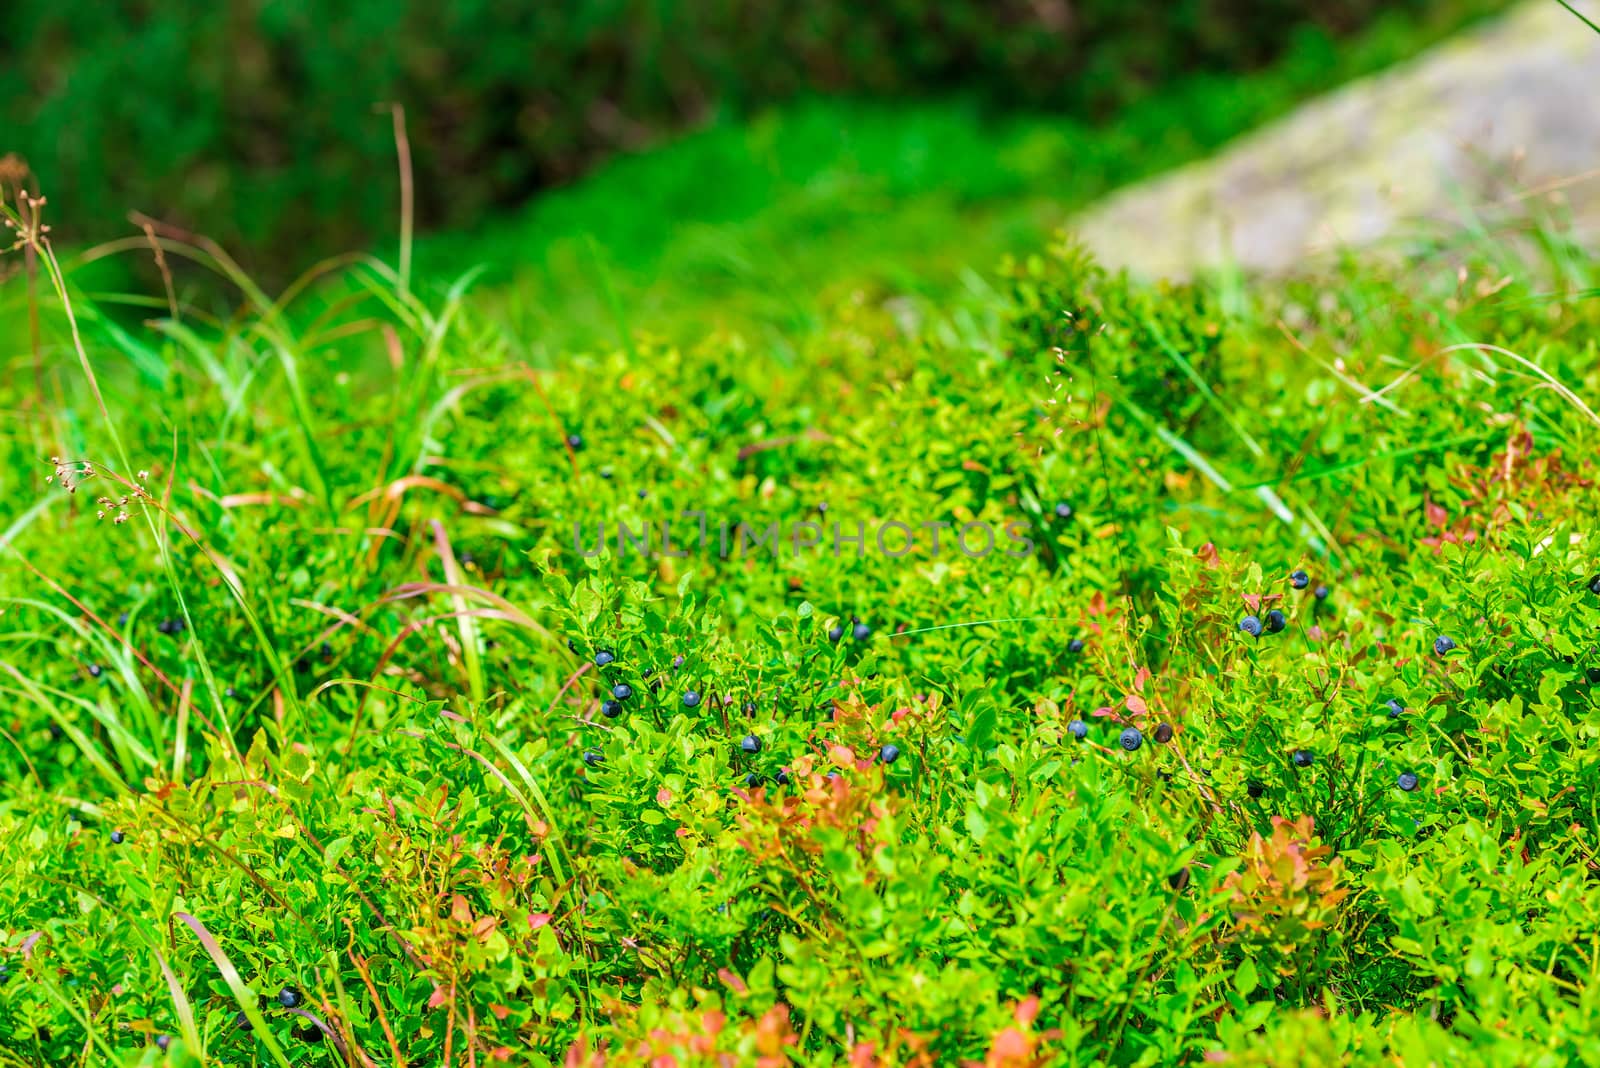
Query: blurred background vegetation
x=262 y=123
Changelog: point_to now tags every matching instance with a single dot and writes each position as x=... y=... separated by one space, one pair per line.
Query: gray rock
x=1500 y=123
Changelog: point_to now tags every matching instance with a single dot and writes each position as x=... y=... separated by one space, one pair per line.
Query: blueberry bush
x=1083 y=673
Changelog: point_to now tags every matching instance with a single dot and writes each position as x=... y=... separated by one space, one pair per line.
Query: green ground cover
x=1264 y=732
x=313 y=755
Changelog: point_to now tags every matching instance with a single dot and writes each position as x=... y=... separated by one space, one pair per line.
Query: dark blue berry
x=1254 y=789
x=1130 y=739
x=1594 y=585
x=677 y=661
x=242 y=1022
x=1302 y=758
x=611 y=709
x=571 y=644
x=1063 y=510
x=889 y=754
x=1164 y=733
x=574 y=442
x=752 y=780
x=1406 y=781
x=1320 y=593
x=592 y=758
x=1443 y=644
x=163 y=1041
x=604 y=657
x=782 y=778
x=691 y=698
x=1299 y=579
x=835 y=633
x=94 y=671
x=1075 y=645
x=288 y=997
x=622 y=691
x=1078 y=729
x=1594 y=675
x=1179 y=879
x=1275 y=621
x=309 y=1034
x=1251 y=626
x=861 y=632
x=117 y=837
x=1395 y=708
x=751 y=744
x=230 y=693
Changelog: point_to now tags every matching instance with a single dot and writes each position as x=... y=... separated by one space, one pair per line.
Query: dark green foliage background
x=254 y=122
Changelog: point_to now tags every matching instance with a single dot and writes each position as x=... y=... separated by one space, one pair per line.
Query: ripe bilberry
x=1275 y=621
x=1251 y=626
x=1078 y=729
x=861 y=632
x=889 y=754
x=611 y=709
x=1075 y=645
x=1395 y=708
x=94 y=671
x=1299 y=579
x=1302 y=758
x=1320 y=593
x=1063 y=510
x=1164 y=733
x=592 y=758
x=288 y=997
x=1443 y=644
x=1406 y=781
x=604 y=657
x=117 y=837
x=622 y=691
x=751 y=744
x=1130 y=739
x=1254 y=789
x=835 y=632
x=574 y=442
x=691 y=698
